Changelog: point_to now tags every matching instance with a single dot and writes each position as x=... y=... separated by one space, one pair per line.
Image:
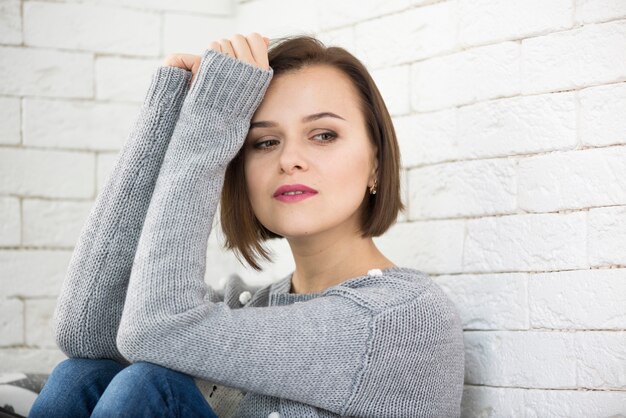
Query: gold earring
x=373 y=188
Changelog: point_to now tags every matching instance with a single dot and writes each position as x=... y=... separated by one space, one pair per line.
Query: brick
x=32 y=172
x=392 y=83
x=490 y=21
x=417 y=34
x=526 y=243
x=10 y=225
x=334 y=14
x=574 y=179
x=49 y=73
x=77 y=124
x=105 y=163
x=91 y=27
x=483 y=401
x=601 y=115
x=286 y=17
x=467 y=188
x=10 y=22
x=568 y=403
x=513 y=358
x=39 y=324
x=343 y=37
x=54 y=223
x=518 y=125
x=476 y=74
x=27 y=360
x=193 y=34
x=590 y=55
x=607 y=236
x=583 y=299
x=123 y=78
x=489 y=301
x=10 y=118
x=217 y=7
x=11 y=322
x=600 y=359
x=32 y=273
x=588 y=11
x=434 y=247
x=427 y=138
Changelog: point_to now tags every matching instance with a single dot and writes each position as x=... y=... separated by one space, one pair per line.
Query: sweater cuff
x=168 y=86
x=228 y=85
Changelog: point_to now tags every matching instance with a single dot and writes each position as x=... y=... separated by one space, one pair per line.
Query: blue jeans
x=79 y=387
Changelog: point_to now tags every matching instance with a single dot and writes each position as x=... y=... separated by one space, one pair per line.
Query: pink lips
x=306 y=192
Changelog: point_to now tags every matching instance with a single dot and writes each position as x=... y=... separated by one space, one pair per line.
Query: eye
x=263 y=145
x=331 y=136
x=260 y=145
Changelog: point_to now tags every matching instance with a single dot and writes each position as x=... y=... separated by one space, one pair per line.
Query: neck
x=327 y=260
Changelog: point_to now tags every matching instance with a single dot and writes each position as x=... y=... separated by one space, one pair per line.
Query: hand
x=251 y=49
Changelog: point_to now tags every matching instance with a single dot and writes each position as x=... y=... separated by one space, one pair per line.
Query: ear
x=375 y=162
x=374 y=172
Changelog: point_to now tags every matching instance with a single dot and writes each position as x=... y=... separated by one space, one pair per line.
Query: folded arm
x=89 y=307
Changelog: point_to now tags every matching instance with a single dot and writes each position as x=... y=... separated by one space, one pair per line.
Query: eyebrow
x=309 y=118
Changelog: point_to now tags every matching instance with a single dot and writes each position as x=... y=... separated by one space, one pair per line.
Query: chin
x=293 y=233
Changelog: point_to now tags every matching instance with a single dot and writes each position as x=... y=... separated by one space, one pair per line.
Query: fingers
x=242 y=49
x=227 y=47
x=258 y=48
x=216 y=46
x=251 y=49
x=184 y=61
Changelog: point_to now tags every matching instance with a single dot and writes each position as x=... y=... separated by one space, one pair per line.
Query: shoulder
x=405 y=298
x=382 y=290
x=416 y=337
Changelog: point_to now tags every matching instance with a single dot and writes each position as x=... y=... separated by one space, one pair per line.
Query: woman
x=310 y=157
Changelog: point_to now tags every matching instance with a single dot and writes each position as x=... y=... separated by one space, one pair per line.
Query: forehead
x=308 y=90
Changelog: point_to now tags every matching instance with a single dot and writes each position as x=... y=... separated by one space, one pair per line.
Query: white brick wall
x=510 y=117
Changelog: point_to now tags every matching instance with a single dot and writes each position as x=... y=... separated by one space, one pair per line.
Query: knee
x=80 y=367
x=70 y=364
x=146 y=371
x=137 y=387
x=142 y=374
x=74 y=383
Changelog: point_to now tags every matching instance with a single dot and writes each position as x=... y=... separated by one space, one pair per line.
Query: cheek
x=347 y=169
x=347 y=178
x=254 y=180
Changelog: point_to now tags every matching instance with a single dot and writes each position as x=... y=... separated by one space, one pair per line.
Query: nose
x=291 y=156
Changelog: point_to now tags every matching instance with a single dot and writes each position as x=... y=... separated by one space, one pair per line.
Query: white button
x=375 y=272
x=244 y=297
x=274 y=415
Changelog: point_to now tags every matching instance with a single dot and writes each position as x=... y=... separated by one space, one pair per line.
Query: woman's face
x=330 y=155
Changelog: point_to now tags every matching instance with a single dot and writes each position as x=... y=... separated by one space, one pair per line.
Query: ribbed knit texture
x=90 y=304
x=386 y=344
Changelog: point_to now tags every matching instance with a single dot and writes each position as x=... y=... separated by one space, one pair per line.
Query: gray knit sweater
x=385 y=344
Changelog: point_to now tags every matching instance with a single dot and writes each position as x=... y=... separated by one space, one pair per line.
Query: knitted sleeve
x=89 y=306
x=336 y=352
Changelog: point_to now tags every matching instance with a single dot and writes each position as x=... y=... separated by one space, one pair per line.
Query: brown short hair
x=243 y=232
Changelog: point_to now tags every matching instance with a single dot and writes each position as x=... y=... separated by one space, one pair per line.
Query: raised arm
x=347 y=352
x=91 y=300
